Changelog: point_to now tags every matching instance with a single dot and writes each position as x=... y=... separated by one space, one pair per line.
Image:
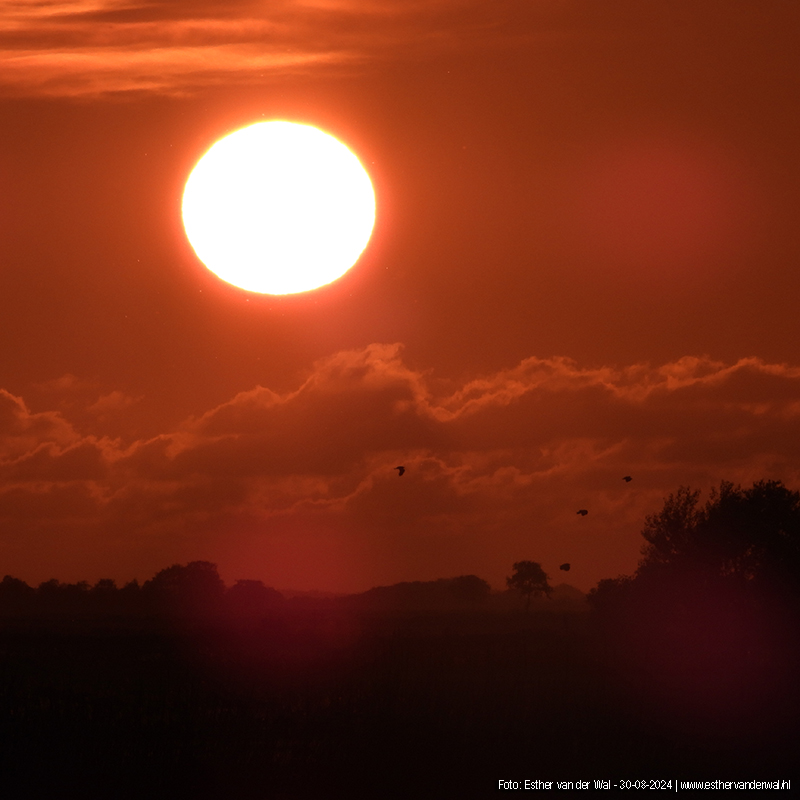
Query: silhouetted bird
x=627 y=479
x=400 y=471
x=565 y=567
x=583 y=512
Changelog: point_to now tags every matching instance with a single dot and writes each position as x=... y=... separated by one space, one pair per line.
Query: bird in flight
x=583 y=512
x=565 y=567
x=627 y=479
x=400 y=471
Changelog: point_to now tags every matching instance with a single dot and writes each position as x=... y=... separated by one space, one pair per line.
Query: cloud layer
x=300 y=488
x=91 y=47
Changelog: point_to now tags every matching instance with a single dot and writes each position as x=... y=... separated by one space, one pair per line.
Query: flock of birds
x=582 y=511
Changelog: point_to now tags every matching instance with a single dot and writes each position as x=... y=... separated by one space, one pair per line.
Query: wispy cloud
x=90 y=47
x=518 y=450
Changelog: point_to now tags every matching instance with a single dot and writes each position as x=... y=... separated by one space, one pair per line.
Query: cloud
x=22 y=431
x=495 y=465
x=111 y=403
x=92 y=47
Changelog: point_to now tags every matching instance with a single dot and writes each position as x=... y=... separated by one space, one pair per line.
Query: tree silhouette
x=722 y=580
x=62 y=598
x=248 y=598
x=15 y=594
x=195 y=589
x=529 y=579
x=460 y=592
x=748 y=536
x=469 y=589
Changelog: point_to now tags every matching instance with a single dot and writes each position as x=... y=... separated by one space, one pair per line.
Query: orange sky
x=584 y=266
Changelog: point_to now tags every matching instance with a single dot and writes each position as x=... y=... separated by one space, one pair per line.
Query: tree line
x=197 y=590
x=193 y=589
x=743 y=544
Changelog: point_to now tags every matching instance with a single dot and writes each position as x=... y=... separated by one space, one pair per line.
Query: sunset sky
x=584 y=266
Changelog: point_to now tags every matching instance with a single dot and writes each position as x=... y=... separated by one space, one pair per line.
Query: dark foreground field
x=319 y=701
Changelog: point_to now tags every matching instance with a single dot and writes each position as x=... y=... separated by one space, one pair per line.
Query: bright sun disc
x=278 y=208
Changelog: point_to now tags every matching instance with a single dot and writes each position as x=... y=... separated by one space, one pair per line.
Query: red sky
x=584 y=266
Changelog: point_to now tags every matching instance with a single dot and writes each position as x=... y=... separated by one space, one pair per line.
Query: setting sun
x=278 y=208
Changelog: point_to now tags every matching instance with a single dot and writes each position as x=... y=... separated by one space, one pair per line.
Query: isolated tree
x=529 y=579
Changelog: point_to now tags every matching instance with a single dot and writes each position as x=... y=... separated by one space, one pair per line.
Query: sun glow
x=278 y=208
